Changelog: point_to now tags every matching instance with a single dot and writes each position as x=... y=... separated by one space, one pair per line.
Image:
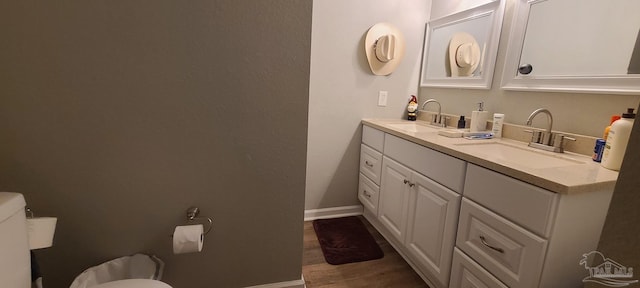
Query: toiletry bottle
x=479 y=119
x=412 y=108
x=617 y=140
x=598 y=149
x=606 y=129
x=496 y=129
x=461 y=123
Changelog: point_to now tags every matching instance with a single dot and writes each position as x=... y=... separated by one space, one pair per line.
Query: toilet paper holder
x=29 y=213
x=192 y=215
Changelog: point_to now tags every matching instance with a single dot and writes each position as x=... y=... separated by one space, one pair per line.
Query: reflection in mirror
x=598 y=37
x=438 y=63
x=460 y=49
x=589 y=46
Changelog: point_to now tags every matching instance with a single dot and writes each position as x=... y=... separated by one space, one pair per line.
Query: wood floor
x=390 y=271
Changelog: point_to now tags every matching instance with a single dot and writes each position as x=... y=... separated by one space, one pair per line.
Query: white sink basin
x=414 y=127
x=524 y=156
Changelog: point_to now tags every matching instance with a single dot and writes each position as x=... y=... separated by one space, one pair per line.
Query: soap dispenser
x=479 y=119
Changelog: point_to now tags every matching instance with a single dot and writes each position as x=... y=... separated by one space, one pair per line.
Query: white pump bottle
x=617 y=141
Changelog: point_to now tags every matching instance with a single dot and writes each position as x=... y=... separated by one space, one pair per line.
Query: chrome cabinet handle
x=410 y=184
x=368 y=164
x=484 y=242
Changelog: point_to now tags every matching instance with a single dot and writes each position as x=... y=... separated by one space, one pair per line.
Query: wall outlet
x=382 y=98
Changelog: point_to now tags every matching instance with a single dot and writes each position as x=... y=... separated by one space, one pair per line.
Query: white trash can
x=138 y=266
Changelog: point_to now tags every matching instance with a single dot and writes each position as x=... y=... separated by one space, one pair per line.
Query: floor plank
x=390 y=271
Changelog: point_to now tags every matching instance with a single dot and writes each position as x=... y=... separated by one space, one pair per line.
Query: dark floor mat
x=346 y=240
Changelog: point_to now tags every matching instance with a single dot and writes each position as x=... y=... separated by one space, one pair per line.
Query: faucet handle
x=536 y=136
x=558 y=141
x=443 y=121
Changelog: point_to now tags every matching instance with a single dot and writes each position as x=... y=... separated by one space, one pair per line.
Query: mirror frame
x=512 y=80
x=493 y=9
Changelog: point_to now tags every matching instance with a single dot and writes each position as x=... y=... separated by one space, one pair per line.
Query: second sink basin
x=414 y=127
x=523 y=156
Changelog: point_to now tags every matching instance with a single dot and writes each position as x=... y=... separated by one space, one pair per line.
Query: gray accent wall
x=620 y=235
x=116 y=116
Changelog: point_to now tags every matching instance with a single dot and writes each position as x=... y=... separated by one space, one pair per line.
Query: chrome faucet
x=437 y=119
x=546 y=140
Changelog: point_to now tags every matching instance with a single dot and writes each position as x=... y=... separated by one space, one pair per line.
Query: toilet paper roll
x=41 y=231
x=188 y=239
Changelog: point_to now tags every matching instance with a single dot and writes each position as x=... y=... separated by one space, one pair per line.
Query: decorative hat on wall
x=464 y=54
x=384 y=46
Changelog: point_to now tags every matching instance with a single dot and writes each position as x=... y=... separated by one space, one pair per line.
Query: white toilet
x=15 y=260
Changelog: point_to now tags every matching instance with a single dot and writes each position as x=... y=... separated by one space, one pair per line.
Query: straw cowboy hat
x=464 y=54
x=384 y=46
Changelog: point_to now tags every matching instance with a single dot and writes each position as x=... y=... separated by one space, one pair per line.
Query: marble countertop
x=558 y=172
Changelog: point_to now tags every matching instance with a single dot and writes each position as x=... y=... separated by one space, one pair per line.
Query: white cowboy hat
x=464 y=54
x=384 y=46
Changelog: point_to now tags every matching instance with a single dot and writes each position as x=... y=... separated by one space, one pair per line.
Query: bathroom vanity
x=481 y=213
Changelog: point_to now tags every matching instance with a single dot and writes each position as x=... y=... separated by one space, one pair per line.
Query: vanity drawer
x=466 y=273
x=440 y=167
x=368 y=194
x=527 y=205
x=373 y=137
x=508 y=251
x=370 y=163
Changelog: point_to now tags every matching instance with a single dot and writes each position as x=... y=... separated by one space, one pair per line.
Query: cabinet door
x=508 y=251
x=465 y=273
x=370 y=163
x=394 y=197
x=433 y=217
x=368 y=194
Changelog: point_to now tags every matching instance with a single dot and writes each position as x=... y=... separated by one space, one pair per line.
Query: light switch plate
x=382 y=98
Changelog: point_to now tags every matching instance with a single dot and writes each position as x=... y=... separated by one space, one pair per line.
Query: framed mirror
x=460 y=49
x=588 y=46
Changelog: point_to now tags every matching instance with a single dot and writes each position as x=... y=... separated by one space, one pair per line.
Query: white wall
x=586 y=114
x=343 y=90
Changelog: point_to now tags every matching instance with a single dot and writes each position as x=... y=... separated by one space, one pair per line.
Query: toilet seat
x=133 y=283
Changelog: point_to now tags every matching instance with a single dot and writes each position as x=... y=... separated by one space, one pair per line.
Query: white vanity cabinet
x=418 y=204
x=431 y=226
x=524 y=235
x=461 y=225
x=421 y=214
x=466 y=273
x=394 y=198
x=370 y=168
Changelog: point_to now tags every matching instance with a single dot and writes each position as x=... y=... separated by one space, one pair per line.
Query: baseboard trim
x=286 y=284
x=333 y=212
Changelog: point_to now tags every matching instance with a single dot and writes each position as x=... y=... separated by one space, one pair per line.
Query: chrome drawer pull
x=368 y=164
x=484 y=242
